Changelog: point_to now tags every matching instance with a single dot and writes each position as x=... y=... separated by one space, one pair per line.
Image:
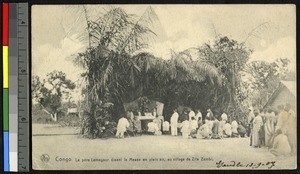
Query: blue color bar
x=6 y=150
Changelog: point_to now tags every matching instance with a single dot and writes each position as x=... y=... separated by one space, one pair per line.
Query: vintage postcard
x=164 y=87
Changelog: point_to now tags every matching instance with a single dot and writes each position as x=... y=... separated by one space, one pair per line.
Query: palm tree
x=117 y=70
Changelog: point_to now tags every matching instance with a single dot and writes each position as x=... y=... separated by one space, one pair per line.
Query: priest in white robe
x=174 y=123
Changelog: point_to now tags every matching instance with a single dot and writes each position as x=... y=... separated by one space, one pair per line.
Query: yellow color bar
x=5 y=66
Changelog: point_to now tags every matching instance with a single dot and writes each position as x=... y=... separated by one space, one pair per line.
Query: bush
x=102 y=127
x=40 y=116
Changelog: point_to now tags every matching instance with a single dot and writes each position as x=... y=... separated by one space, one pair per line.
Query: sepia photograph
x=163 y=87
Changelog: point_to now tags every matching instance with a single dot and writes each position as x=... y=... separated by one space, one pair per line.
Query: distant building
x=285 y=93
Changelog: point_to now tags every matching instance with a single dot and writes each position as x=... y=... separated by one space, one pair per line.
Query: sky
x=58 y=31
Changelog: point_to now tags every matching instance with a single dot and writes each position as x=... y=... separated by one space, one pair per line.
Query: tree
x=229 y=57
x=52 y=91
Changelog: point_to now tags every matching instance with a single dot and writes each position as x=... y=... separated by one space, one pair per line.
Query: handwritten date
x=222 y=164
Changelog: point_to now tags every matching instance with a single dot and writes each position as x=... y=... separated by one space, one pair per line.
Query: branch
x=253 y=30
x=87 y=24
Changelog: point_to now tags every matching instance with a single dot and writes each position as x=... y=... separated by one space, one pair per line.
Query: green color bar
x=5 y=109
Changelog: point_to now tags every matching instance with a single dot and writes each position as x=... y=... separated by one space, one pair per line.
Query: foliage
x=265 y=79
x=229 y=57
x=41 y=117
x=118 y=71
x=100 y=127
x=51 y=91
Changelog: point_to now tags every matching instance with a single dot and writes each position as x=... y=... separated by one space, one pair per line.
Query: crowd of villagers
x=274 y=129
x=188 y=124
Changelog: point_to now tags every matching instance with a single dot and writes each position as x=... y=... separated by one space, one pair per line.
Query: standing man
x=283 y=118
x=191 y=114
x=209 y=114
x=257 y=125
x=269 y=127
x=199 y=118
x=250 y=119
x=287 y=123
x=224 y=117
x=174 y=123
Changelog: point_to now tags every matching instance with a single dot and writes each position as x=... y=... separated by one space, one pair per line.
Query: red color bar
x=5 y=24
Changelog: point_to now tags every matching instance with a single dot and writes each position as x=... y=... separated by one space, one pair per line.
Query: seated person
x=215 y=128
x=157 y=121
x=241 y=130
x=122 y=126
x=210 y=124
x=193 y=127
x=234 y=126
x=185 y=128
x=166 y=127
x=130 y=129
x=205 y=131
x=281 y=144
x=137 y=125
x=227 y=130
x=153 y=128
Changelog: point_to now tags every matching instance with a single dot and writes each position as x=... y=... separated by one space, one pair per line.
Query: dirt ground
x=55 y=147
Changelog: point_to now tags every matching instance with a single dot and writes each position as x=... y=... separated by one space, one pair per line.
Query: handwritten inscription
x=222 y=164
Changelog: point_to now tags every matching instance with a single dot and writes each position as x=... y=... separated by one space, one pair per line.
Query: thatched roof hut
x=285 y=93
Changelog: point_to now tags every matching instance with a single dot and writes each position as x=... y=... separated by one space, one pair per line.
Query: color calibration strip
x=5 y=11
x=15 y=87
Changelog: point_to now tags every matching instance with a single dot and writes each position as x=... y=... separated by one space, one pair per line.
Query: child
x=123 y=124
x=185 y=125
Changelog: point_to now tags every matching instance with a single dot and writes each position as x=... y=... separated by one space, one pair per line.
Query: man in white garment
x=199 y=117
x=191 y=114
x=209 y=114
x=174 y=123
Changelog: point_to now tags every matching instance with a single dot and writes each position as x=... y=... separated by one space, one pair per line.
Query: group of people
x=191 y=125
x=275 y=131
x=265 y=128
x=208 y=127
